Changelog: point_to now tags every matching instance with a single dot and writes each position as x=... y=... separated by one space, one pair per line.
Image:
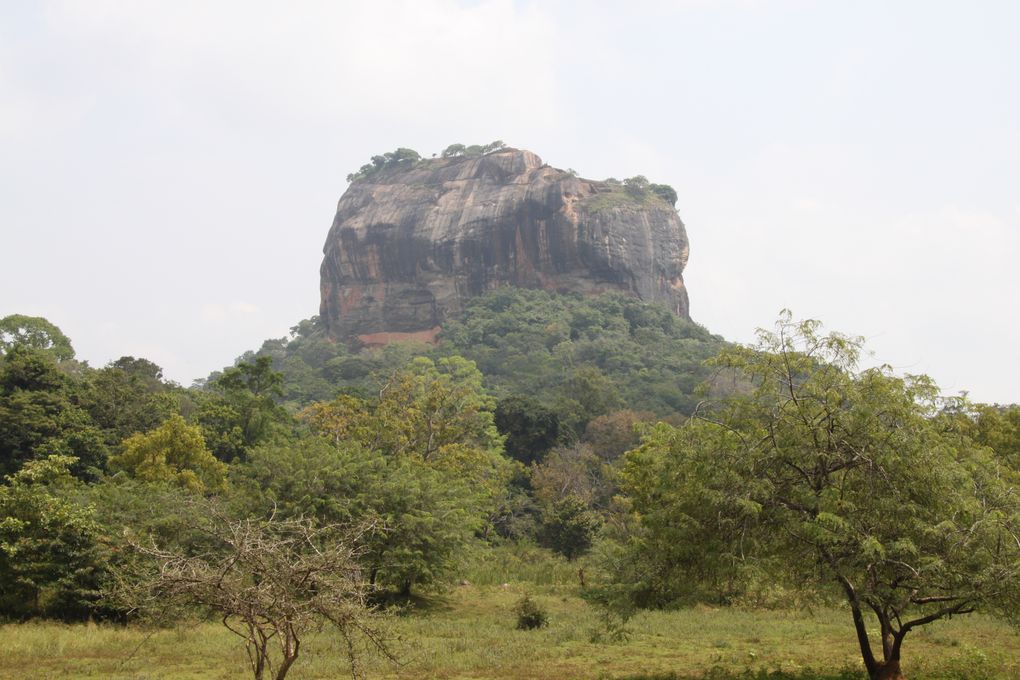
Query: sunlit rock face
x=410 y=245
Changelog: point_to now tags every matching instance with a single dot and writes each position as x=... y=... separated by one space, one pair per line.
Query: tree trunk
x=888 y=670
x=291 y=645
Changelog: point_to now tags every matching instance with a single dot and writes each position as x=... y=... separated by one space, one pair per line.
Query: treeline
x=636 y=188
x=406 y=158
x=509 y=429
x=580 y=357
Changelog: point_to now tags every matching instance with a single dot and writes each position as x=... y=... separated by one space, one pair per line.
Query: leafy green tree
x=530 y=428
x=998 y=428
x=637 y=186
x=128 y=396
x=453 y=151
x=50 y=564
x=173 y=452
x=425 y=516
x=401 y=157
x=841 y=477
x=35 y=332
x=39 y=414
x=426 y=411
x=241 y=410
x=665 y=192
x=433 y=459
x=492 y=147
x=569 y=527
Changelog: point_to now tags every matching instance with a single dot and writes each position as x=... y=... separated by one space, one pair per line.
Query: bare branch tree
x=270 y=582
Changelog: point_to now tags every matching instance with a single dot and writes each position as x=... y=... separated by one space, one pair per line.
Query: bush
x=530 y=615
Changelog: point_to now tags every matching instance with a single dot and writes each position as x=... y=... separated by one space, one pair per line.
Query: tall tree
x=241 y=409
x=173 y=452
x=35 y=332
x=848 y=478
x=39 y=414
x=49 y=560
x=432 y=463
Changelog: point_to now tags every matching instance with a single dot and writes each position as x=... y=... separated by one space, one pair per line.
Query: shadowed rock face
x=410 y=245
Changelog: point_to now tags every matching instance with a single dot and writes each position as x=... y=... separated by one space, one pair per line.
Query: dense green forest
x=672 y=468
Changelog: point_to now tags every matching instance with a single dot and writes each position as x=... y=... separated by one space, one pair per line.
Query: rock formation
x=410 y=244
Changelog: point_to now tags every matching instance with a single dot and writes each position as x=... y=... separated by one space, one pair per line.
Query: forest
x=562 y=486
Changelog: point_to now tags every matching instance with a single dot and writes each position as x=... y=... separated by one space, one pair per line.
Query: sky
x=169 y=169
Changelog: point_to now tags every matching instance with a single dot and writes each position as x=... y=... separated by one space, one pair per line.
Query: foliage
x=530 y=428
x=40 y=414
x=240 y=411
x=474 y=150
x=665 y=192
x=575 y=471
x=402 y=157
x=636 y=186
x=35 y=332
x=575 y=357
x=128 y=396
x=530 y=614
x=634 y=191
x=998 y=428
x=583 y=357
x=424 y=518
x=569 y=527
x=844 y=477
x=272 y=582
x=49 y=560
x=173 y=452
x=612 y=434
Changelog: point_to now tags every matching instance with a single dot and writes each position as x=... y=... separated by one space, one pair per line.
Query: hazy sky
x=169 y=170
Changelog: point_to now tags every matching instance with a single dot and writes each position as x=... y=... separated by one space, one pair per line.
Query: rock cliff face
x=409 y=245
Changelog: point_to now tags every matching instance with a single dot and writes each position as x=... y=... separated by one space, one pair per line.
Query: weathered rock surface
x=410 y=245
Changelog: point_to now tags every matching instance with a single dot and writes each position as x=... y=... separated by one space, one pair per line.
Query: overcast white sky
x=169 y=170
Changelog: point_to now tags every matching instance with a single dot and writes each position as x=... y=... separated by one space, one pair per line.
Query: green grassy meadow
x=469 y=633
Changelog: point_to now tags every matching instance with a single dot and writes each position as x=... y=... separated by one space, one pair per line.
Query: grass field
x=469 y=633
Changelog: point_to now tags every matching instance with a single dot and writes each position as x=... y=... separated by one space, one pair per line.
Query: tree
x=429 y=465
x=843 y=477
x=39 y=414
x=998 y=428
x=173 y=452
x=140 y=367
x=427 y=410
x=612 y=434
x=637 y=186
x=242 y=411
x=569 y=527
x=530 y=428
x=572 y=471
x=49 y=560
x=128 y=396
x=271 y=582
x=665 y=192
x=35 y=332
x=453 y=151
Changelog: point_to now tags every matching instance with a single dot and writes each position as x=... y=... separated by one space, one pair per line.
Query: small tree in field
x=270 y=582
x=838 y=477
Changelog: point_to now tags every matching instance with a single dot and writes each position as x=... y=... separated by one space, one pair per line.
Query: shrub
x=529 y=614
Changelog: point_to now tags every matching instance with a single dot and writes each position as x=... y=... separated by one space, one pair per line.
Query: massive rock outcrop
x=410 y=244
